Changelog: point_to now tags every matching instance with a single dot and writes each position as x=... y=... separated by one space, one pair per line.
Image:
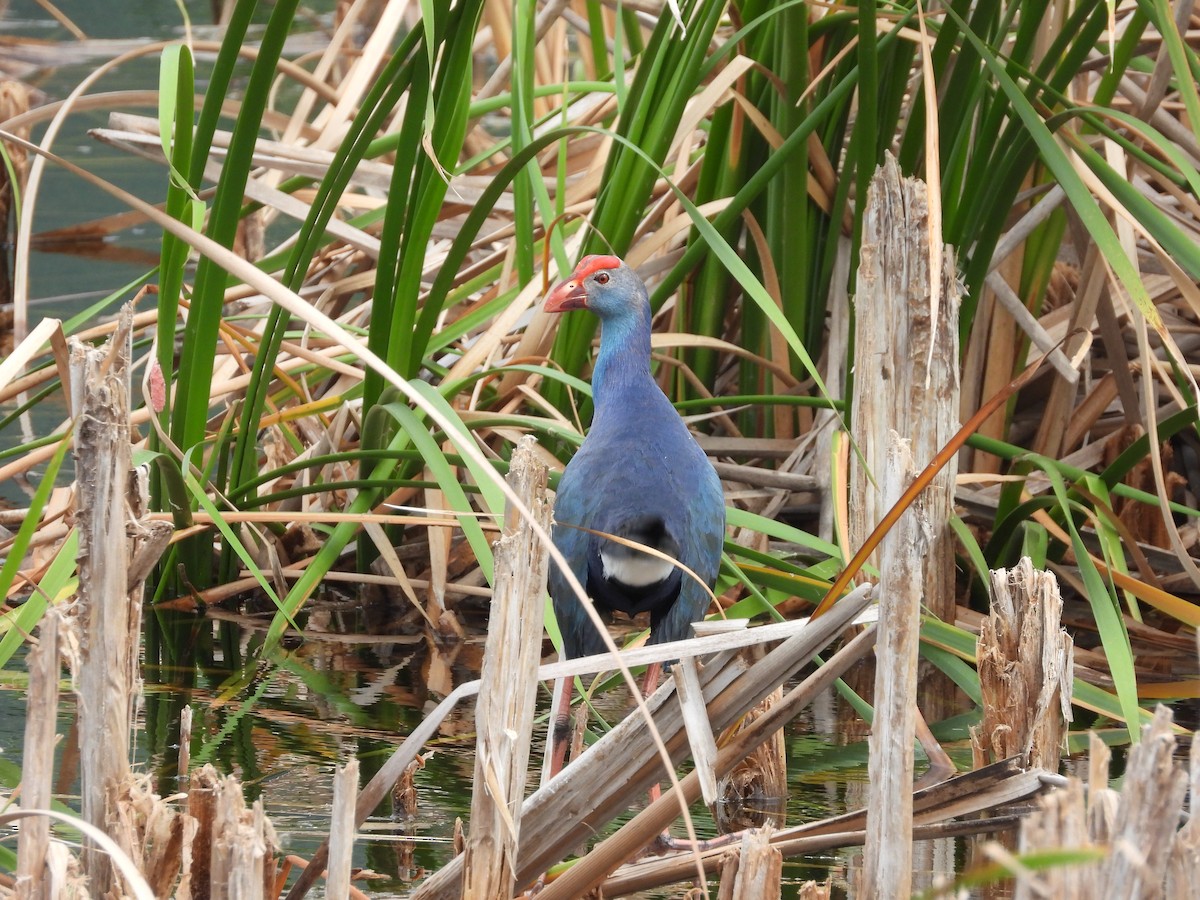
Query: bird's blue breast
x=638 y=467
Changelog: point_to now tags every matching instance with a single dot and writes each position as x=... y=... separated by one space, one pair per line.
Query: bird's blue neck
x=623 y=365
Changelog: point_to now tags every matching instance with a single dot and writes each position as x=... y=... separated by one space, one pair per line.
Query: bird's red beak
x=569 y=294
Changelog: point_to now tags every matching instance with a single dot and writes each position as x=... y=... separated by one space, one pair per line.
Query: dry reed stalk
x=948 y=809
x=508 y=696
x=906 y=409
x=628 y=750
x=341 y=830
x=37 y=771
x=758 y=870
x=234 y=852
x=1183 y=866
x=906 y=367
x=106 y=624
x=994 y=352
x=887 y=866
x=1053 y=425
x=152 y=833
x=590 y=871
x=695 y=721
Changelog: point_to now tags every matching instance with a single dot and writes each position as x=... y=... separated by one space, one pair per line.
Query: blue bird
x=639 y=475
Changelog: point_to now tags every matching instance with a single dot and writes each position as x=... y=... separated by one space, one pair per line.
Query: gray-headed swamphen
x=639 y=475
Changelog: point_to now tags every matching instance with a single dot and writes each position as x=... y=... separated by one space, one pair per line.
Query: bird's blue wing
x=579 y=634
x=702 y=539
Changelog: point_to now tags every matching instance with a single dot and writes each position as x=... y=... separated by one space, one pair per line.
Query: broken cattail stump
x=1026 y=663
x=1183 y=867
x=1151 y=804
x=759 y=871
x=202 y=807
x=1102 y=801
x=1059 y=823
x=155 y=836
x=243 y=846
x=887 y=852
x=906 y=379
x=815 y=890
x=341 y=830
x=728 y=874
x=106 y=626
x=755 y=792
x=1135 y=848
x=234 y=850
x=37 y=771
x=508 y=693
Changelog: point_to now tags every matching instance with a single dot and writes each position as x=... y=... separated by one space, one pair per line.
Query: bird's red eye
x=602 y=278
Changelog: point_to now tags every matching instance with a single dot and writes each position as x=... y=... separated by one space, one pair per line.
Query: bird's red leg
x=665 y=843
x=651 y=679
x=560 y=727
x=649 y=686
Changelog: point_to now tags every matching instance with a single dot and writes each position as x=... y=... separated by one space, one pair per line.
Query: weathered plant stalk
x=758 y=872
x=105 y=623
x=592 y=869
x=755 y=793
x=341 y=830
x=1026 y=662
x=508 y=695
x=906 y=409
x=37 y=771
x=1141 y=851
x=906 y=376
x=232 y=856
x=887 y=855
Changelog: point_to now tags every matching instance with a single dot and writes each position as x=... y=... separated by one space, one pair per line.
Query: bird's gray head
x=603 y=284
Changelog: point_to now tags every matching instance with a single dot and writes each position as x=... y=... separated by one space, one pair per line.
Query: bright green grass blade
x=740 y=518
x=231 y=539
x=1182 y=166
x=1183 y=62
x=963 y=676
x=447 y=479
x=59 y=583
x=1035 y=543
x=1111 y=544
x=20 y=622
x=1106 y=611
x=1056 y=161
x=190 y=416
x=971 y=547
x=1180 y=245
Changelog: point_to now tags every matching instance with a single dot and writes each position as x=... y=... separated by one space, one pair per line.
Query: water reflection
x=351 y=689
